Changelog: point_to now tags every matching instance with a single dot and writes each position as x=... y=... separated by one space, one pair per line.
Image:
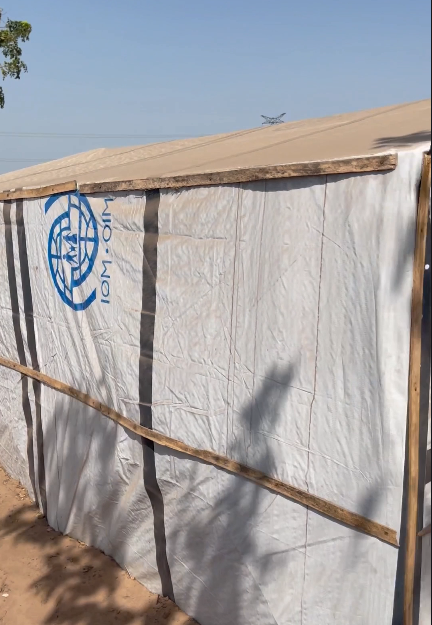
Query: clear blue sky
x=193 y=67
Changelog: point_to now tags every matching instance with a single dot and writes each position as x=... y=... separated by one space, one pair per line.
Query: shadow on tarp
x=79 y=581
x=403 y=141
x=221 y=541
x=221 y=548
x=76 y=586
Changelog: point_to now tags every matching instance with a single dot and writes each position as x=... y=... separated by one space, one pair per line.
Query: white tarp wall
x=279 y=336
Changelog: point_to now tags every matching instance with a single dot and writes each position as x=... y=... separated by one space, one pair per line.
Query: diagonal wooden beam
x=425 y=532
x=322 y=506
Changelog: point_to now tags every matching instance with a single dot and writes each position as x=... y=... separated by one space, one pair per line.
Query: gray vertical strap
x=31 y=341
x=148 y=314
x=428 y=466
x=13 y=290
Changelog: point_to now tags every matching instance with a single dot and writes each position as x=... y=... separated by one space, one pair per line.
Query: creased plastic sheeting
x=18 y=450
x=94 y=469
x=100 y=482
x=13 y=438
x=281 y=340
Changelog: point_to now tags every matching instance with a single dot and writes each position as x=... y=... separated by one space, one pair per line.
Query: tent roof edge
x=356 y=165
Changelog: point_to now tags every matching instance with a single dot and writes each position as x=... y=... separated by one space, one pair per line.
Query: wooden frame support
x=425 y=531
x=414 y=391
x=29 y=194
x=356 y=165
x=322 y=506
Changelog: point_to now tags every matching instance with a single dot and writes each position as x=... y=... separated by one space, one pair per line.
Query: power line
x=26 y=160
x=59 y=135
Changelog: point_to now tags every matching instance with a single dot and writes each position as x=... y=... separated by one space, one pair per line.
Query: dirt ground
x=46 y=577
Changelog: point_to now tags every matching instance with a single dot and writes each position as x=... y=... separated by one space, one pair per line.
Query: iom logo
x=73 y=245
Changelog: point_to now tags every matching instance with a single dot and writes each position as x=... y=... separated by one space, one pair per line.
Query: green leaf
x=12 y=33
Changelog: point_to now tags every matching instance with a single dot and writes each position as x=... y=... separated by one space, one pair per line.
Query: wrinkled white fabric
x=281 y=340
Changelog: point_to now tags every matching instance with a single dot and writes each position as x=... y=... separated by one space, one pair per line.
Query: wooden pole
x=414 y=391
x=322 y=506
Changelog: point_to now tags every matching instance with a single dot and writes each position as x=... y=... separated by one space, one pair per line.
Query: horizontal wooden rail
x=361 y=165
x=26 y=194
x=313 y=502
x=356 y=165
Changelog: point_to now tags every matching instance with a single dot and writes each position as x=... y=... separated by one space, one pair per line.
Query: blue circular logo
x=73 y=244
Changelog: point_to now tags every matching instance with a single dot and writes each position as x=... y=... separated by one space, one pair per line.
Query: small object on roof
x=272 y=121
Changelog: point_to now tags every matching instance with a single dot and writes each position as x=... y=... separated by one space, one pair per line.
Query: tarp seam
x=314 y=394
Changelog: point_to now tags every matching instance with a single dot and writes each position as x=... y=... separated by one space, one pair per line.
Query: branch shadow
x=218 y=543
x=403 y=141
x=221 y=545
x=83 y=585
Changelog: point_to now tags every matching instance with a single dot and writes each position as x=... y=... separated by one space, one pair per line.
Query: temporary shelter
x=211 y=352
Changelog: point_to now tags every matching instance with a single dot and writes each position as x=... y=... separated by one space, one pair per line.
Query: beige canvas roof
x=366 y=133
